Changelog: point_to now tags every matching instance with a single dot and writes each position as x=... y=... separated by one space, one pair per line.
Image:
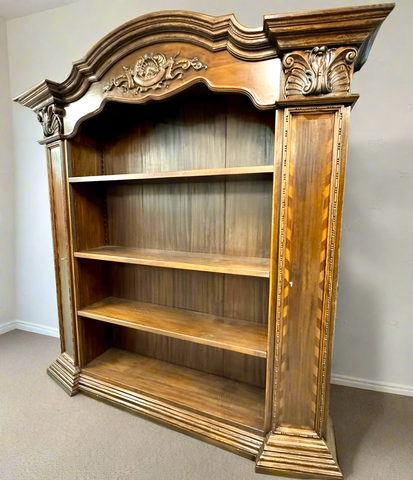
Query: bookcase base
x=299 y=457
x=235 y=439
x=65 y=374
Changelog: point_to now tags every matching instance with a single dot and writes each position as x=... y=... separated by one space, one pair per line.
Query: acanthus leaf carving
x=152 y=72
x=50 y=118
x=319 y=71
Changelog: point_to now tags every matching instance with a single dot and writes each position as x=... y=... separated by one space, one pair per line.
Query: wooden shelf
x=230 y=334
x=209 y=394
x=180 y=174
x=202 y=262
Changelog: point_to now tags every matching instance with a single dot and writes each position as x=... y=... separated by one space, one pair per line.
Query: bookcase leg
x=65 y=374
x=299 y=457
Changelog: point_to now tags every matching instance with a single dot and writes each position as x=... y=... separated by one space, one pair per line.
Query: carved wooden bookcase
x=197 y=238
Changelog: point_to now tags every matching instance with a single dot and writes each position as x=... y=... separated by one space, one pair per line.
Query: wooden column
x=65 y=369
x=312 y=138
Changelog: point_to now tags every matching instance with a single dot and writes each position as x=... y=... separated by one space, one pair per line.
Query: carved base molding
x=278 y=454
x=232 y=438
x=291 y=456
x=65 y=374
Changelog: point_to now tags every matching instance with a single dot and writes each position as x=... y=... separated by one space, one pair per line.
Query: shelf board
x=202 y=392
x=201 y=262
x=180 y=174
x=240 y=336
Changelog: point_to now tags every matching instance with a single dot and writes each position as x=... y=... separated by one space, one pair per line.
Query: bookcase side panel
x=61 y=241
x=64 y=370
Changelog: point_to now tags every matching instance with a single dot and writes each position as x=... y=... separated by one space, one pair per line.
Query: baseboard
x=7 y=327
x=36 y=328
x=29 y=327
x=375 y=386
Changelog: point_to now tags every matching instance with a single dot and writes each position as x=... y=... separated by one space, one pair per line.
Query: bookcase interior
x=171 y=206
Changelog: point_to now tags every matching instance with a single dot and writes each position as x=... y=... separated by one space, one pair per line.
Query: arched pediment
x=221 y=44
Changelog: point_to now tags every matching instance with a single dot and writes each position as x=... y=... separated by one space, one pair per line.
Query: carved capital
x=50 y=118
x=151 y=72
x=319 y=71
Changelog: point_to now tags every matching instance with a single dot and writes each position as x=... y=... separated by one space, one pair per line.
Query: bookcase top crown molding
x=314 y=36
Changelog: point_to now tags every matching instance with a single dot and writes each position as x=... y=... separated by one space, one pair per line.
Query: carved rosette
x=319 y=71
x=153 y=71
x=50 y=118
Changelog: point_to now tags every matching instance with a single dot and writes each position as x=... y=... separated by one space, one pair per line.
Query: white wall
x=375 y=324
x=7 y=299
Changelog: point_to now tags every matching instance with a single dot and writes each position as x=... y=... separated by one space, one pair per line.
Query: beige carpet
x=44 y=434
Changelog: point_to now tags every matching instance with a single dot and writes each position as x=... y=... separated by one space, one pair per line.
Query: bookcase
x=196 y=171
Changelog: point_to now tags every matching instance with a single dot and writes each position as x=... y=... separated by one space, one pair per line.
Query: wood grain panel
x=86 y=156
x=176 y=135
x=96 y=337
x=202 y=262
x=189 y=217
x=92 y=282
x=58 y=194
x=255 y=171
x=213 y=395
x=216 y=294
x=186 y=217
x=179 y=352
x=249 y=135
x=199 y=291
x=216 y=361
x=244 y=368
x=229 y=334
x=88 y=212
x=247 y=218
x=246 y=298
x=310 y=145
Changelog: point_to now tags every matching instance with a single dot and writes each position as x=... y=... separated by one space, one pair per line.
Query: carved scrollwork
x=50 y=118
x=318 y=71
x=153 y=71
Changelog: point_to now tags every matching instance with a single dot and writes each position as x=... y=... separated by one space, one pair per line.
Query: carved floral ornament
x=318 y=71
x=152 y=72
x=50 y=118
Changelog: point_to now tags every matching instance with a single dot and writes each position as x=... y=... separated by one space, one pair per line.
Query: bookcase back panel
x=232 y=365
x=222 y=217
x=85 y=156
x=245 y=298
x=232 y=296
x=198 y=130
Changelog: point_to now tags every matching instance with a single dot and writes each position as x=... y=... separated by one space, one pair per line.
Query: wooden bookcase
x=196 y=172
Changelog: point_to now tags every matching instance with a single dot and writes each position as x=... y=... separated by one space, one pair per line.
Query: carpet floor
x=46 y=435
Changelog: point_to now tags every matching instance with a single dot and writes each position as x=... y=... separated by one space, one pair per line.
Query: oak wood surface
x=309 y=184
x=202 y=262
x=230 y=334
x=208 y=217
x=176 y=175
x=204 y=358
x=231 y=296
x=216 y=396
